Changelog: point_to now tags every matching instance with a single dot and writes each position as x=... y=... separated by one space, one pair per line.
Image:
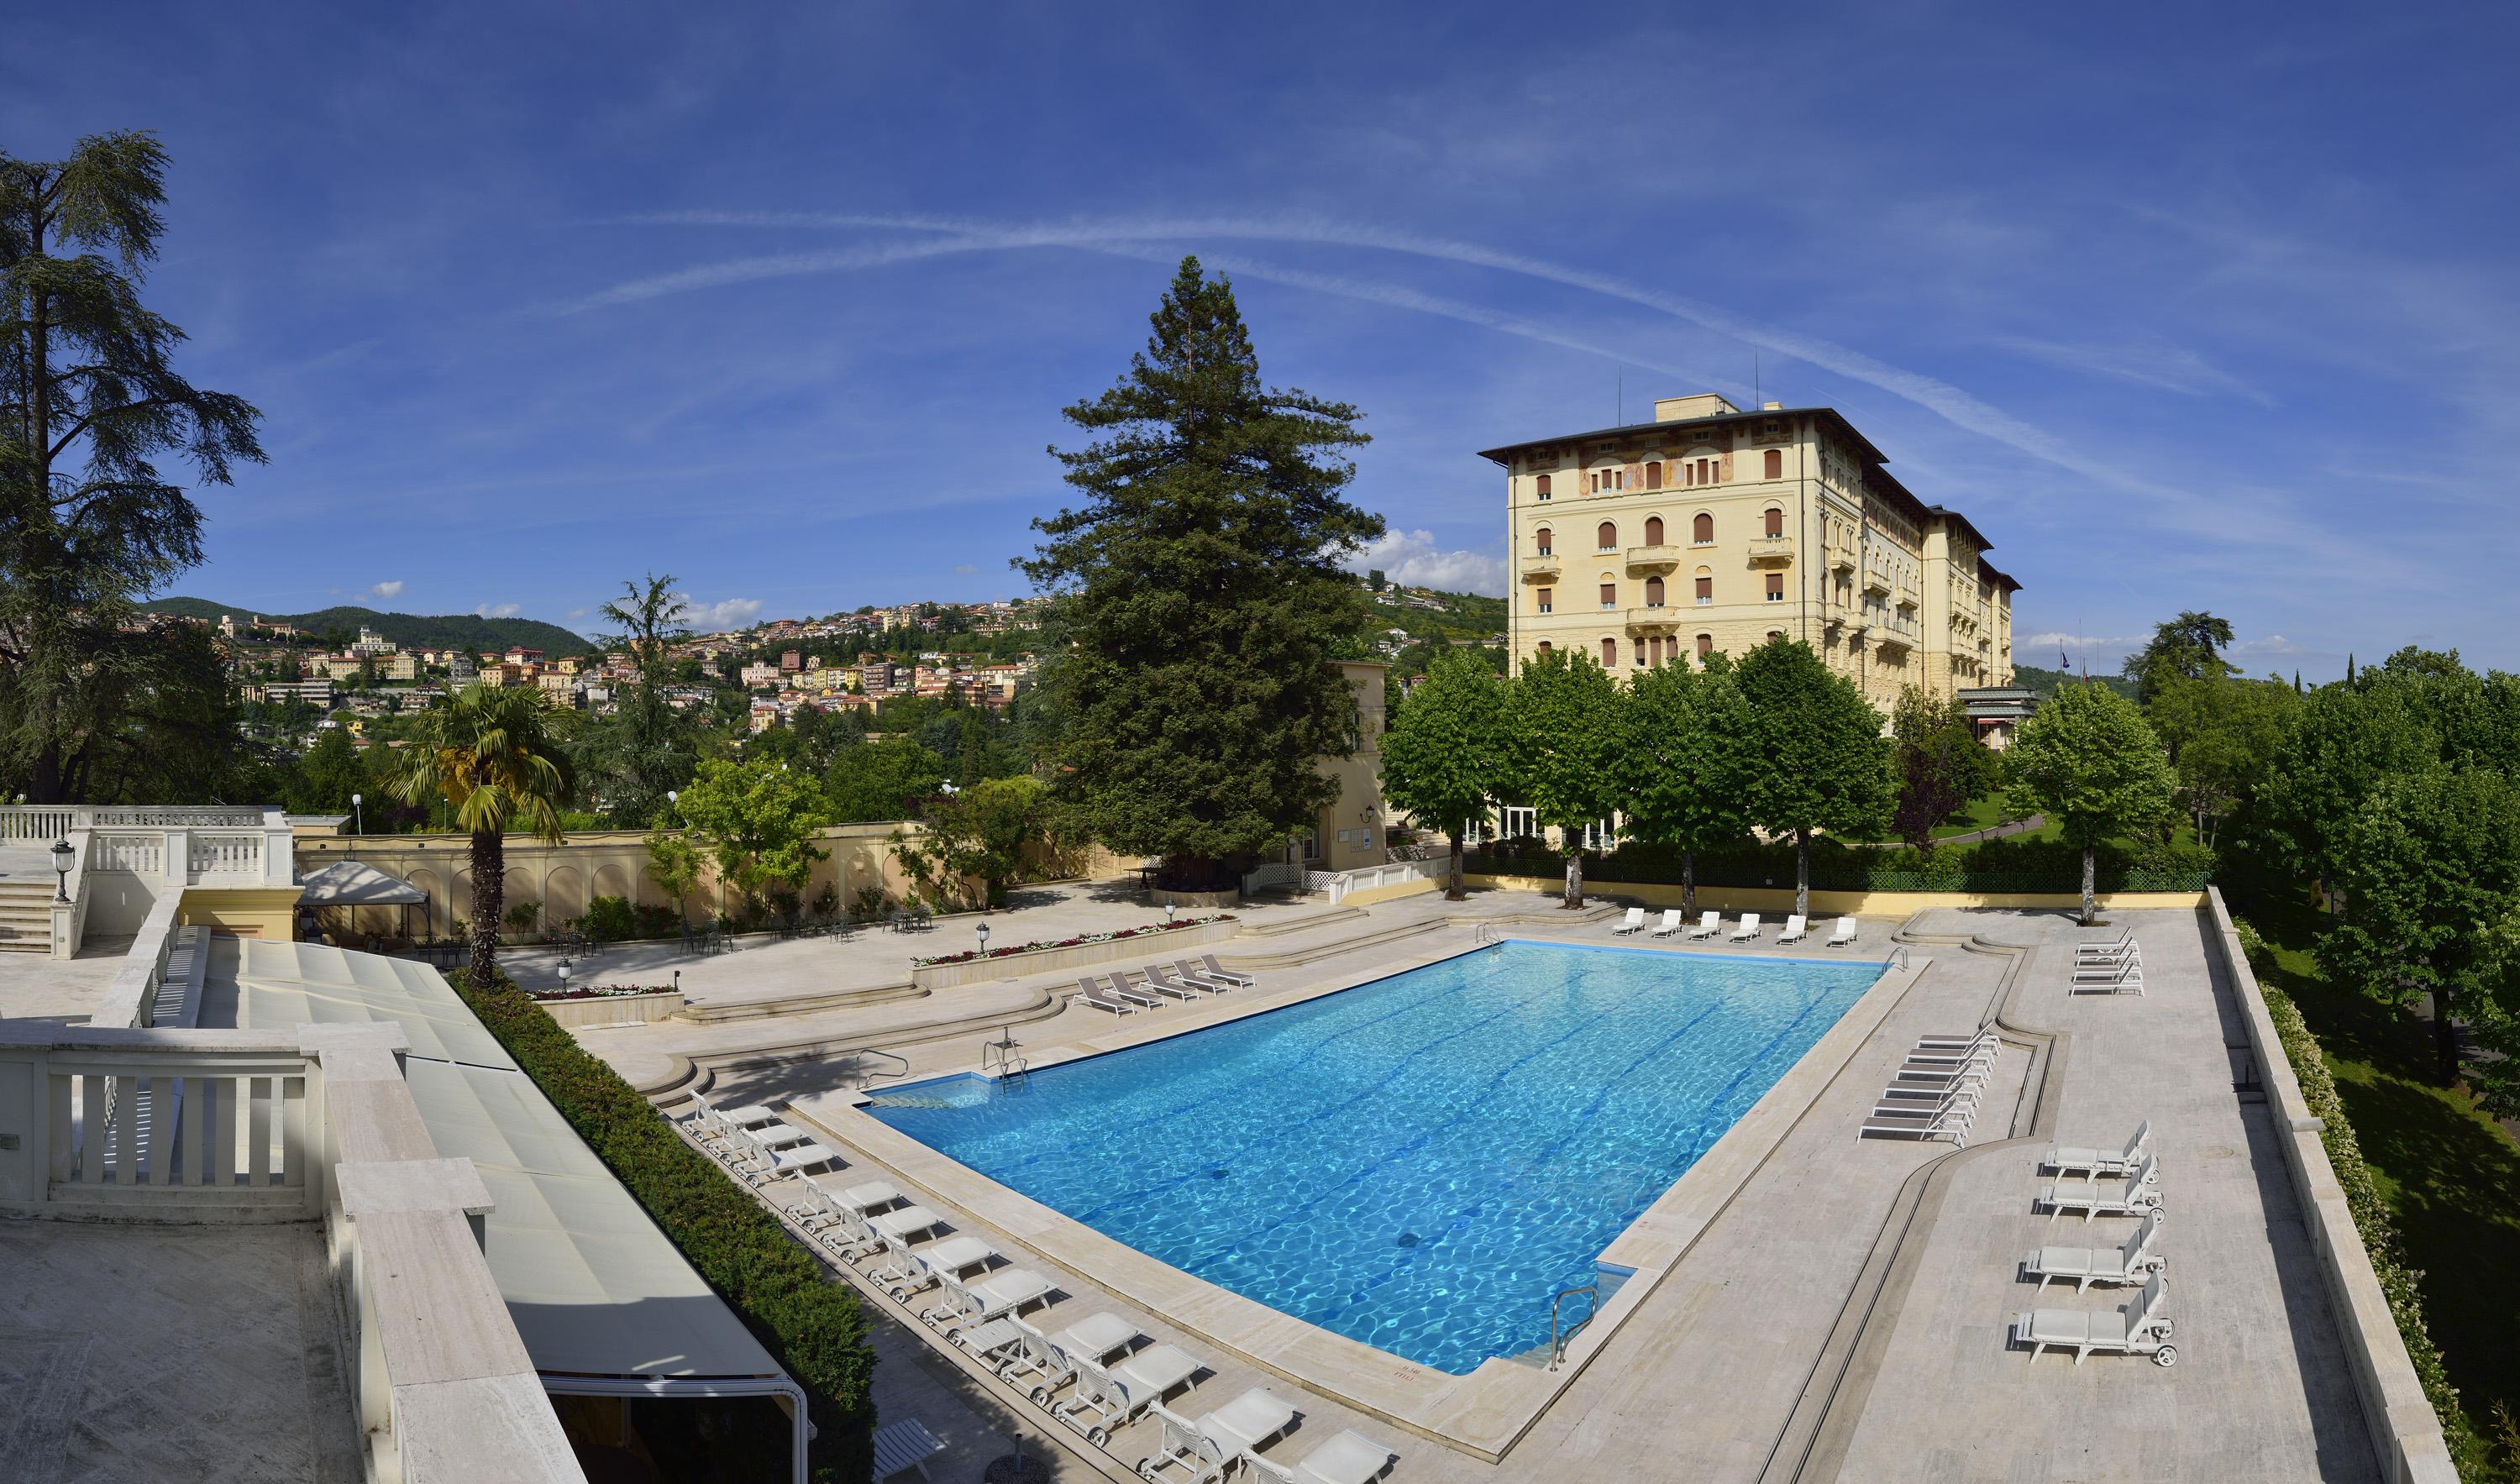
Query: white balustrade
x=179 y=1122
x=226 y=852
x=141 y=854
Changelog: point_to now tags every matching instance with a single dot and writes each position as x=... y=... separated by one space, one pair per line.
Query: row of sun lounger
x=1160 y=984
x=2108 y=969
x=2138 y=1327
x=1936 y=1091
x=1796 y=929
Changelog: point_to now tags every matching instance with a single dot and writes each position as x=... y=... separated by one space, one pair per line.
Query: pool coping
x=1484 y=1413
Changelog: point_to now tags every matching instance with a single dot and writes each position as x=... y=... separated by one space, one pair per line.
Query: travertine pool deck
x=1834 y=1318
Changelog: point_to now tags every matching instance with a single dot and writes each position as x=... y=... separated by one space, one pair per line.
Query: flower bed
x=1082 y=939
x=599 y=992
x=581 y=1006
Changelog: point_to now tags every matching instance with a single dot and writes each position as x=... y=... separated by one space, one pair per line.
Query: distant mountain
x=1425 y=613
x=412 y=631
x=2045 y=682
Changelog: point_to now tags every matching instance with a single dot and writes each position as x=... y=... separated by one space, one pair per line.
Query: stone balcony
x=1541 y=567
x=1772 y=550
x=1653 y=558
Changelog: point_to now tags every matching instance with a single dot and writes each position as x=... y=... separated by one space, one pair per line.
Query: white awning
x=348 y=883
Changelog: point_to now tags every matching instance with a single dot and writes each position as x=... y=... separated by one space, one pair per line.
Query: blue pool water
x=1418 y=1162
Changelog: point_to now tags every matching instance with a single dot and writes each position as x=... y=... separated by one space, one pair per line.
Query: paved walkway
x=35 y=986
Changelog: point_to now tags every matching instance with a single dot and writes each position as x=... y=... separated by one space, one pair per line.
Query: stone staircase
x=27 y=915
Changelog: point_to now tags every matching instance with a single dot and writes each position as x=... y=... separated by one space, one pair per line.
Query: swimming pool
x=1417 y=1162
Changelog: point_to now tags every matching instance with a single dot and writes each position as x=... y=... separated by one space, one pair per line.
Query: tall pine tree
x=1209 y=603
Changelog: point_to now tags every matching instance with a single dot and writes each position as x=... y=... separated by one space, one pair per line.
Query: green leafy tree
x=2223 y=735
x=1824 y=764
x=979 y=834
x=2431 y=875
x=1205 y=600
x=89 y=399
x=673 y=863
x=2090 y=762
x=2188 y=646
x=885 y=779
x=1565 y=727
x=648 y=747
x=1439 y=756
x=758 y=821
x=497 y=759
x=1942 y=766
x=2337 y=746
x=1691 y=764
x=327 y=775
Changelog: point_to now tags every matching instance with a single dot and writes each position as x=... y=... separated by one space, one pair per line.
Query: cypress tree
x=1206 y=599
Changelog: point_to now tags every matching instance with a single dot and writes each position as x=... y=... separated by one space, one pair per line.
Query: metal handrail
x=1008 y=1066
x=1559 y=1339
x=1898 y=956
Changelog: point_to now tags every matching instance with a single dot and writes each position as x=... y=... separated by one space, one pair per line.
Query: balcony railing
x=1654 y=616
x=1540 y=567
x=1648 y=559
x=1771 y=550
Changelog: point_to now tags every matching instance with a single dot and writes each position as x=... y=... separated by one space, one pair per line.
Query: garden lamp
x=1169 y=908
x=564 y=977
x=984 y=940
x=63 y=855
x=358 y=815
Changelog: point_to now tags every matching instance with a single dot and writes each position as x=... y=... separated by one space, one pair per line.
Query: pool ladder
x=1485 y=936
x=1009 y=1068
x=1562 y=1336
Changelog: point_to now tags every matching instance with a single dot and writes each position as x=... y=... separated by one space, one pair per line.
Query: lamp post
x=1170 y=908
x=564 y=977
x=984 y=940
x=63 y=855
x=358 y=815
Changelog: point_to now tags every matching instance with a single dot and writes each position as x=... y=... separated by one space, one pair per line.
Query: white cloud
x=1412 y=560
x=579 y=612
x=967 y=570
x=500 y=609
x=391 y=589
x=711 y=617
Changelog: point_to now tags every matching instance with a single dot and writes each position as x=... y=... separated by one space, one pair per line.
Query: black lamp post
x=63 y=855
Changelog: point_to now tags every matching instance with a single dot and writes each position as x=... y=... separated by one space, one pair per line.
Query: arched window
x=1705 y=587
x=1705 y=645
x=1653 y=473
x=1543 y=536
x=1775 y=464
x=1701 y=529
x=1609 y=652
x=1775 y=634
x=1542 y=491
x=1653 y=592
x=1654 y=530
x=1608 y=536
x=1609 y=594
x=1543 y=647
x=1776 y=521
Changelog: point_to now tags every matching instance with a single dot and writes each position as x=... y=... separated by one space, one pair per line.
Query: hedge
x=2011 y=865
x=810 y=1324
x=2371 y=1217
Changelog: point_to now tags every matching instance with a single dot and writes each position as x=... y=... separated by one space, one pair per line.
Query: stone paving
x=148 y=1354
x=34 y=986
x=1742 y=1340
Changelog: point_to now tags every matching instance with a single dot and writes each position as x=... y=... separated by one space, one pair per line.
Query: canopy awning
x=348 y=883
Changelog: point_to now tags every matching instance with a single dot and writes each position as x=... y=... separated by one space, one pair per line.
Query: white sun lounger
x=843 y=1230
x=865 y=1196
x=1350 y=1458
x=2132 y=1261
x=2093 y=1163
x=2139 y=1196
x=1171 y=989
x=1190 y=974
x=1216 y=970
x=1146 y=998
x=1749 y=928
x=1954 y=1125
x=1843 y=934
x=2116 y=981
x=1634 y=921
x=2091 y=970
x=1233 y=1432
x=1797 y=929
x=1112 y=1396
x=1709 y=924
x=1040 y=1365
x=2136 y=1328
x=902 y=1446
x=966 y=1305
x=1090 y=991
x=905 y=1273
x=1672 y=923
x=1983 y=1036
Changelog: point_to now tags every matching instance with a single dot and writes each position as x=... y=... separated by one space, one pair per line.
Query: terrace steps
x=26 y=915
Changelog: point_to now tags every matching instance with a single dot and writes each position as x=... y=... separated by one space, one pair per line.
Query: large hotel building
x=1713 y=528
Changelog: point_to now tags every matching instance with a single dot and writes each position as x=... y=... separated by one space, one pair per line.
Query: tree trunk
x=2091 y=876
x=489 y=903
x=1456 y=893
x=1801 y=874
x=1688 y=883
x=1575 y=877
x=2445 y=1037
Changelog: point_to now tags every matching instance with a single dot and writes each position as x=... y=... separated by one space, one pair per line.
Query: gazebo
x=350 y=885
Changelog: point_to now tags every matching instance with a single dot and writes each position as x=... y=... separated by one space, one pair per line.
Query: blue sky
x=2209 y=308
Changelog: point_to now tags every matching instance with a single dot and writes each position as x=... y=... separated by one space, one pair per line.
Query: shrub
x=2009 y=864
x=812 y=1325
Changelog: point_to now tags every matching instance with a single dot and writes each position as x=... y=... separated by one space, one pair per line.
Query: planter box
x=1041 y=961
x=614 y=1010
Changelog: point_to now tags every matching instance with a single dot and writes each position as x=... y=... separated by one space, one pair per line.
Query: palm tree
x=495 y=756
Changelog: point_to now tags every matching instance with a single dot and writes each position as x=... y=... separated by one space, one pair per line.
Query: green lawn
x=2450 y=1175
x=1989 y=811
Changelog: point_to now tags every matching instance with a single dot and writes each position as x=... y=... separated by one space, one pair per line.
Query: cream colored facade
x=1713 y=528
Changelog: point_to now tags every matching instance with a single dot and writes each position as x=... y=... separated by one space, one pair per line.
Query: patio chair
x=1634 y=921
x=1843 y=934
x=1113 y=1396
x=902 y=1446
x=1748 y=931
x=1233 y=1434
x=2132 y=1261
x=2141 y=1195
x=1216 y=970
x=1090 y=991
x=1040 y=1366
x=1709 y=924
x=1672 y=923
x=2138 y=1327
x=2093 y=1163
x=1350 y=1458
x=1797 y=929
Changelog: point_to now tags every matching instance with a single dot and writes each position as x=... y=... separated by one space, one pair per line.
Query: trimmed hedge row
x=2371 y=1217
x=2011 y=865
x=813 y=1326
